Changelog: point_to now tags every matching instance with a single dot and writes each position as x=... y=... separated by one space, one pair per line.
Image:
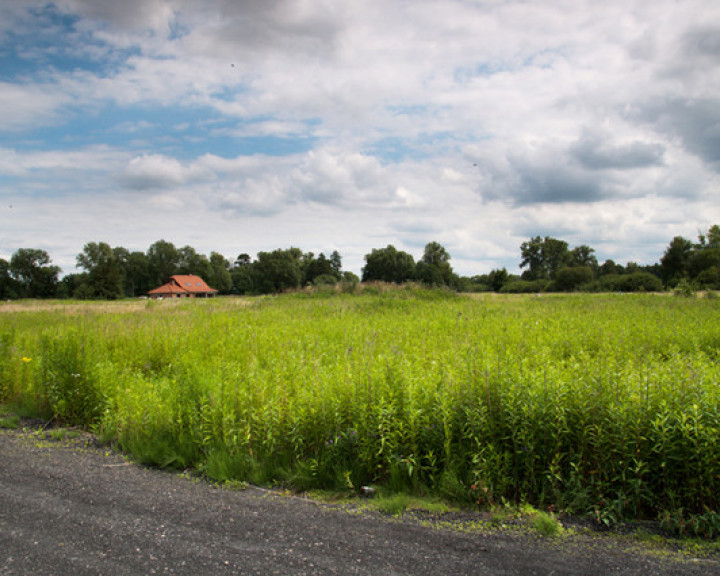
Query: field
x=607 y=405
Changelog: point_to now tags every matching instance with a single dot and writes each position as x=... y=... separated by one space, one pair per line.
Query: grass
x=393 y=505
x=63 y=434
x=605 y=405
x=9 y=421
x=546 y=524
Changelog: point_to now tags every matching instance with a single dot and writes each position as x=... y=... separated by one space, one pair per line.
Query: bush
x=525 y=287
x=709 y=278
x=635 y=282
x=640 y=282
x=569 y=279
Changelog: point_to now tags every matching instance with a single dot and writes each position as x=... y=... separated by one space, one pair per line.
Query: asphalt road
x=72 y=510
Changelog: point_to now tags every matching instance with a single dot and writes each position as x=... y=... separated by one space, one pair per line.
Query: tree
x=711 y=239
x=532 y=258
x=336 y=263
x=242 y=275
x=104 y=271
x=219 y=277
x=34 y=273
x=584 y=256
x=277 y=271
x=497 y=279
x=70 y=286
x=702 y=260
x=609 y=267
x=135 y=270
x=544 y=257
x=313 y=268
x=388 y=265
x=434 y=268
x=674 y=263
x=9 y=288
x=163 y=262
x=190 y=262
x=556 y=255
x=242 y=260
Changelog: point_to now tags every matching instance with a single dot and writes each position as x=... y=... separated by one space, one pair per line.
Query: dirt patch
x=69 y=506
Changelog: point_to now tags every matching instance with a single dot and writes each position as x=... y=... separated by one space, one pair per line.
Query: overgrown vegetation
x=605 y=405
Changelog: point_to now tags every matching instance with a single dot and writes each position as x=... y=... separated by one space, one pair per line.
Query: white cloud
x=351 y=126
x=158 y=171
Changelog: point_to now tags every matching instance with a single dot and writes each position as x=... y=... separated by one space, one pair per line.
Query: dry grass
x=74 y=307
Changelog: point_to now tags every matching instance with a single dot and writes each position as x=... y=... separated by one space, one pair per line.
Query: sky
x=241 y=126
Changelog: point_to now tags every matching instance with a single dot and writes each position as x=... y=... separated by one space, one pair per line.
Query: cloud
x=331 y=178
x=596 y=151
x=30 y=105
x=696 y=122
x=265 y=198
x=153 y=171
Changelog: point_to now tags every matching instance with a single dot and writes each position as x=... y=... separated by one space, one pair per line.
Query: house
x=183 y=286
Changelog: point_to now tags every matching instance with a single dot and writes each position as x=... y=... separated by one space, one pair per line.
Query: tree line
x=547 y=264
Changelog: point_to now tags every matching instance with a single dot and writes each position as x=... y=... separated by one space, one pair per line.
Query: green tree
x=675 y=260
x=242 y=260
x=711 y=239
x=135 y=271
x=277 y=271
x=556 y=255
x=242 y=275
x=219 y=277
x=190 y=262
x=34 y=273
x=313 y=268
x=104 y=271
x=702 y=260
x=584 y=256
x=163 y=262
x=543 y=257
x=609 y=267
x=434 y=267
x=9 y=288
x=388 y=265
x=70 y=286
x=497 y=279
x=336 y=263
x=532 y=258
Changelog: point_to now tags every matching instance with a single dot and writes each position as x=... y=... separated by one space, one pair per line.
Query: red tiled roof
x=192 y=284
x=184 y=284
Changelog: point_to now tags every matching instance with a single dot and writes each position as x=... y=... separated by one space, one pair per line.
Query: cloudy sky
x=249 y=125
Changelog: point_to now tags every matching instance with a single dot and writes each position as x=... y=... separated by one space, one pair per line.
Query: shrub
x=525 y=287
x=570 y=278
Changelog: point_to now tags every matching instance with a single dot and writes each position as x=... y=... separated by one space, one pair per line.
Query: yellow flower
x=26 y=359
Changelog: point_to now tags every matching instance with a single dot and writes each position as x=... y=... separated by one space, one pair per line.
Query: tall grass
x=607 y=405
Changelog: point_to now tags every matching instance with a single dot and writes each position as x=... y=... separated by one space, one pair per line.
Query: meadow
x=607 y=405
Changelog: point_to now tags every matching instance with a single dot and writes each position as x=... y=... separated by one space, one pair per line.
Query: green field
x=606 y=405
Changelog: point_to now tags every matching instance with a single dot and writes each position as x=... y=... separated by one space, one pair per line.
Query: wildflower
x=26 y=359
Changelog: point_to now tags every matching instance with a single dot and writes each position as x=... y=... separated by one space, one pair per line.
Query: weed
x=393 y=505
x=546 y=524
